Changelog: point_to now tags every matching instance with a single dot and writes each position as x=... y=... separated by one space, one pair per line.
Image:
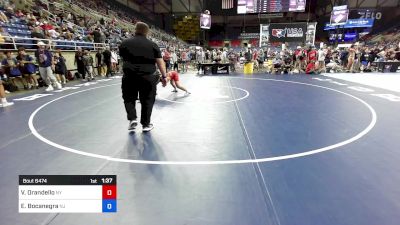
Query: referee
x=140 y=56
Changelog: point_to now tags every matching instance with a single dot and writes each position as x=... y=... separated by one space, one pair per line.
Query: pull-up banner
x=287 y=32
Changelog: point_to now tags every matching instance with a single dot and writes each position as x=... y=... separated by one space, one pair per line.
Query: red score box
x=109 y=192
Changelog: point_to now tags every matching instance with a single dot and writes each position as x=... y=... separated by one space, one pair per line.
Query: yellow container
x=248 y=68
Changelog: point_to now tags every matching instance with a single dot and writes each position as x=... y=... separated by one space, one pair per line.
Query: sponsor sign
x=329 y=26
x=222 y=69
x=287 y=32
x=375 y=14
x=351 y=23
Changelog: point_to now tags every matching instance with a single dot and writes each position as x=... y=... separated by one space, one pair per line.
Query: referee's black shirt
x=139 y=55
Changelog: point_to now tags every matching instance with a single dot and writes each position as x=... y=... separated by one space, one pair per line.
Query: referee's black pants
x=146 y=87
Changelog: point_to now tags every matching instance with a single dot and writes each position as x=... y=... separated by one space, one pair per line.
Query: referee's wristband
x=164 y=77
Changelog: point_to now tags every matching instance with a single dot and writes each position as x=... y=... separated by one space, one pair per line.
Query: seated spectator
x=19 y=14
x=27 y=68
x=30 y=17
x=53 y=34
x=47 y=26
x=3 y=17
x=11 y=69
x=37 y=33
x=9 y=12
x=277 y=65
x=4 y=35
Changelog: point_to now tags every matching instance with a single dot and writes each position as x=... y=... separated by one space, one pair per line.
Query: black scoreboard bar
x=67 y=179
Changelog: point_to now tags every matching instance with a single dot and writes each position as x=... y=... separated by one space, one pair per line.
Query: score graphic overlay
x=67 y=194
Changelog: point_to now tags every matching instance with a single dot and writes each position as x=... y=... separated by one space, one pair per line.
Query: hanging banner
x=339 y=17
x=264 y=35
x=311 y=30
x=287 y=32
x=205 y=21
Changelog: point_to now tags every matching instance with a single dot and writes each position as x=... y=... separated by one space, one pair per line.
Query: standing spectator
x=3 y=99
x=351 y=58
x=60 y=67
x=27 y=68
x=167 y=58
x=88 y=62
x=45 y=61
x=200 y=59
x=298 y=57
x=232 y=60
x=79 y=63
x=184 y=59
x=96 y=35
x=114 y=61
x=140 y=57
x=101 y=70
x=321 y=59
x=311 y=59
x=174 y=60
x=260 y=59
x=107 y=60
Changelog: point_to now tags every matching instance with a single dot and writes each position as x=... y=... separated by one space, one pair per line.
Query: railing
x=13 y=43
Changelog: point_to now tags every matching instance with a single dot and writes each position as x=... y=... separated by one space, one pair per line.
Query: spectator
x=5 y=38
x=79 y=63
x=88 y=62
x=321 y=59
x=114 y=61
x=47 y=26
x=60 y=67
x=312 y=57
x=107 y=61
x=19 y=14
x=45 y=61
x=30 y=17
x=3 y=99
x=27 y=68
x=174 y=60
x=167 y=58
x=9 y=12
x=351 y=58
x=101 y=69
x=97 y=35
x=11 y=69
x=37 y=33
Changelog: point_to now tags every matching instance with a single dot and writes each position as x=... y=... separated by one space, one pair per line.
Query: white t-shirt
x=321 y=55
x=114 y=57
